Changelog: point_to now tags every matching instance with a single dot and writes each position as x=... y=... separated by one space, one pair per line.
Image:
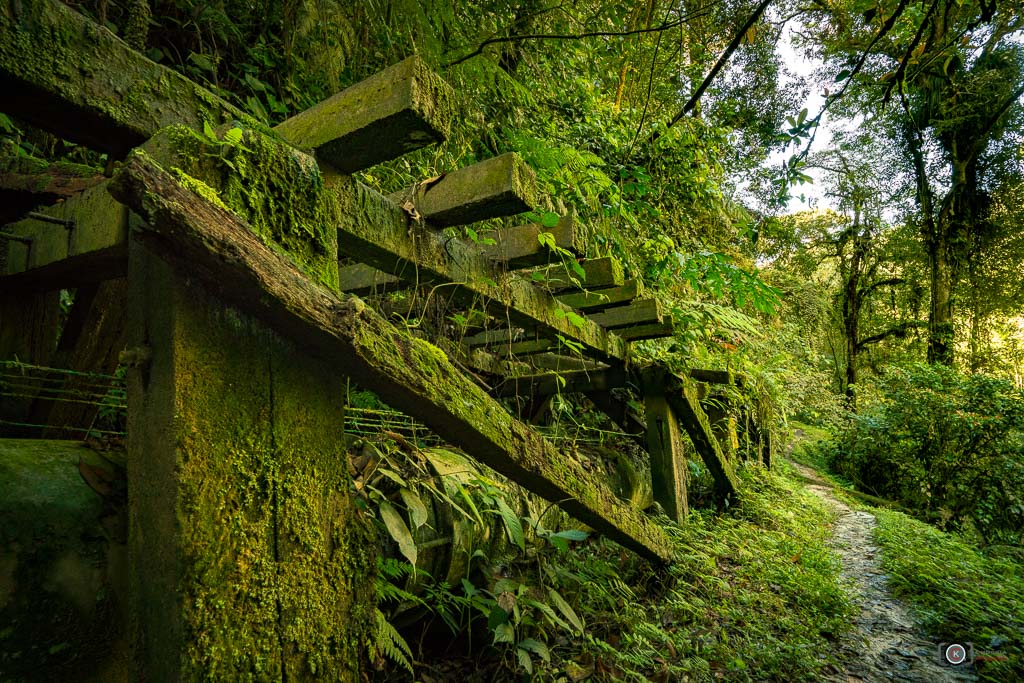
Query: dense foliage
x=948 y=446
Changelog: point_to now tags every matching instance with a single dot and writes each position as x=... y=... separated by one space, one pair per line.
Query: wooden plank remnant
x=213 y=246
x=395 y=111
x=595 y=300
x=521 y=247
x=500 y=186
x=639 y=313
x=682 y=396
x=374 y=230
x=669 y=468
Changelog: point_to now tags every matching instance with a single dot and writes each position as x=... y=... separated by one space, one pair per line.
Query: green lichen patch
x=199 y=187
x=278 y=565
x=277 y=189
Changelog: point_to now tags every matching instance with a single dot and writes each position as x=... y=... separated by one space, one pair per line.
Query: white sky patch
x=801 y=69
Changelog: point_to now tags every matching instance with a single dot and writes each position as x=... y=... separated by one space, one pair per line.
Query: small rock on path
x=886 y=645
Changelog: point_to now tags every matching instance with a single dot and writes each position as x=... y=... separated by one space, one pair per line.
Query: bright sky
x=798 y=67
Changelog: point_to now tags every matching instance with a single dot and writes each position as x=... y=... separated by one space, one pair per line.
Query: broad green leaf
x=536 y=647
x=208 y=131
x=393 y=476
x=565 y=609
x=504 y=633
x=524 y=660
x=560 y=543
x=572 y=535
x=513 y=527
x=549 y=219
x=414 y=504
x=399 y=531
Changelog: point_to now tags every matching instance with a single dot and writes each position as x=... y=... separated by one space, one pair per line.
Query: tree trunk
x=940 y=318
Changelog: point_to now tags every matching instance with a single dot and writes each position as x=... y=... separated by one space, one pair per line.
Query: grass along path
x=886 y=645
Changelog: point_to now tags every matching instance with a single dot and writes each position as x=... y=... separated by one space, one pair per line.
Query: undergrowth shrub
x=754 y=595
x=948 y=446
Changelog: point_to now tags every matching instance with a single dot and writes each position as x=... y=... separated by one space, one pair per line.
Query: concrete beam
x=193 y=235
x=395 y=111
x=497 y=187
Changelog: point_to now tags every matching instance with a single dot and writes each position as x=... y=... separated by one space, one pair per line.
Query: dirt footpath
x=885 y=646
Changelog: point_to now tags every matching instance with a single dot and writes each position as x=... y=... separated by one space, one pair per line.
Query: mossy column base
x=248 y=560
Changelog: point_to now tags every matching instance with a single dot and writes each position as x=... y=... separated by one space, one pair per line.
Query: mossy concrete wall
x=278 y=190
x=111 y=97
x=249 y=561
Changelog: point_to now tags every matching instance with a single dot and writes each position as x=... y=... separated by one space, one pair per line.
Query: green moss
x=278 y=564
x=126 y=96
x=278 y=190
x=199 y=187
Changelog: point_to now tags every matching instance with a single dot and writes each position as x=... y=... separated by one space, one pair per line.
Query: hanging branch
x=565 y=36
x=722 y=61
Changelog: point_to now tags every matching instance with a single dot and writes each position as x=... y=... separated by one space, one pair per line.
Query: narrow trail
x=886 y=645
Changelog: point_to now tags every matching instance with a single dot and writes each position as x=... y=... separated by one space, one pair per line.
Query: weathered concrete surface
x=639 y=313
x=90 y=342
x=651 y=331
x=277 y=189
x=520 y=246
x=249 y=560
x=669 y=469
x=27 y=182
x=361 y=279
x=210 y=244
x=395 y=111
x=93 y=249
x=567 y=382
x=598 y=272
x=76 y=79
x=516 y=247
x=496 y=187
x=594 y=300
x=682 y=396
x=62 y=580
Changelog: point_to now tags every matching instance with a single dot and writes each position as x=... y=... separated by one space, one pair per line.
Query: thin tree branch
x=567 y=36
x=722 y=61
x=899 y=331
x=891 y=282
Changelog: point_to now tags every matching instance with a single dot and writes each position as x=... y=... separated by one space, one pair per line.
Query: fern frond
x=389 y=642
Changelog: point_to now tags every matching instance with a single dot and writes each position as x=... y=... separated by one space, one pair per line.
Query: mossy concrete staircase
x=225 y=253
